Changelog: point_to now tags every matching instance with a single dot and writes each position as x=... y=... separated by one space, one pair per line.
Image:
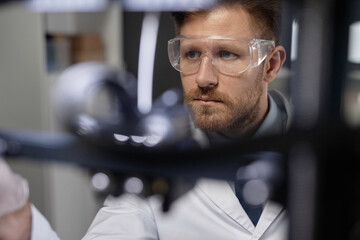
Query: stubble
x=230 y=115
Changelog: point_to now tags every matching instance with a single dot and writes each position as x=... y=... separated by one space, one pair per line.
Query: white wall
x=22 y=79
x=61 y=192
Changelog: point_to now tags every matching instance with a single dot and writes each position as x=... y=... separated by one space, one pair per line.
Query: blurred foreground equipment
x=98 y=103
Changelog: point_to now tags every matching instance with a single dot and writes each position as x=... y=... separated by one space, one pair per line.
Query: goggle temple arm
x=172 y=55
x=260 y=50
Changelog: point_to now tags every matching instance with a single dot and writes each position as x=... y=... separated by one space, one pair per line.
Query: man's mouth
x=206 y=100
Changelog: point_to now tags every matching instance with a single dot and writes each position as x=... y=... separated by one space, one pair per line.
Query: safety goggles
x=230 y=56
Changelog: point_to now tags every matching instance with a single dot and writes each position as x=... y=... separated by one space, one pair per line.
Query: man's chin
x=208 y=123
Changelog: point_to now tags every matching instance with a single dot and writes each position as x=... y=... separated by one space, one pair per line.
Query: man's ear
x=274 y=62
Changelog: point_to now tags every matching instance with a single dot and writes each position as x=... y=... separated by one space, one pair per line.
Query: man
x=225 y=86
x=226 y=57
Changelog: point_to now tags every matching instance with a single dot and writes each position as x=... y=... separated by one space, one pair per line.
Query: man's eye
x=193 y=54
x=228 y=55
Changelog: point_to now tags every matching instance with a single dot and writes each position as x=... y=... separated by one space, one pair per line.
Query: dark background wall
x=165 y=76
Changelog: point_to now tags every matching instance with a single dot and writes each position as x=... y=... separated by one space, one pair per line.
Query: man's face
x=221 y=102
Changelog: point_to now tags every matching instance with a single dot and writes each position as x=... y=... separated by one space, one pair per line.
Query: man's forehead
x=213 y=41
x=224 y=21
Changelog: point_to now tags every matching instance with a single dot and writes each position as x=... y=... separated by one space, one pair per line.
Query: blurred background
x=34 y=50
x=36 y=47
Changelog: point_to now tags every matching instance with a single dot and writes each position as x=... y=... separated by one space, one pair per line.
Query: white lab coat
x=209 y=211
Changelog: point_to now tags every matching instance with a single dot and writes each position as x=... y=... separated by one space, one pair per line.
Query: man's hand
x=15 y=211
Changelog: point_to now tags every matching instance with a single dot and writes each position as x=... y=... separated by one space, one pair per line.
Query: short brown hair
x=265 y=16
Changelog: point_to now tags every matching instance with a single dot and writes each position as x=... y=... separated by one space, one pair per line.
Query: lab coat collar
x=278 y=118
x=221 y=194
x=271 y=211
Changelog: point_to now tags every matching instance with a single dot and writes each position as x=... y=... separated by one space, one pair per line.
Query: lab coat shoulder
x=125 y=217
x=41 y=229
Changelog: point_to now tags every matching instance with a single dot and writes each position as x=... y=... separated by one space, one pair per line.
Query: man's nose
x=206 y=76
